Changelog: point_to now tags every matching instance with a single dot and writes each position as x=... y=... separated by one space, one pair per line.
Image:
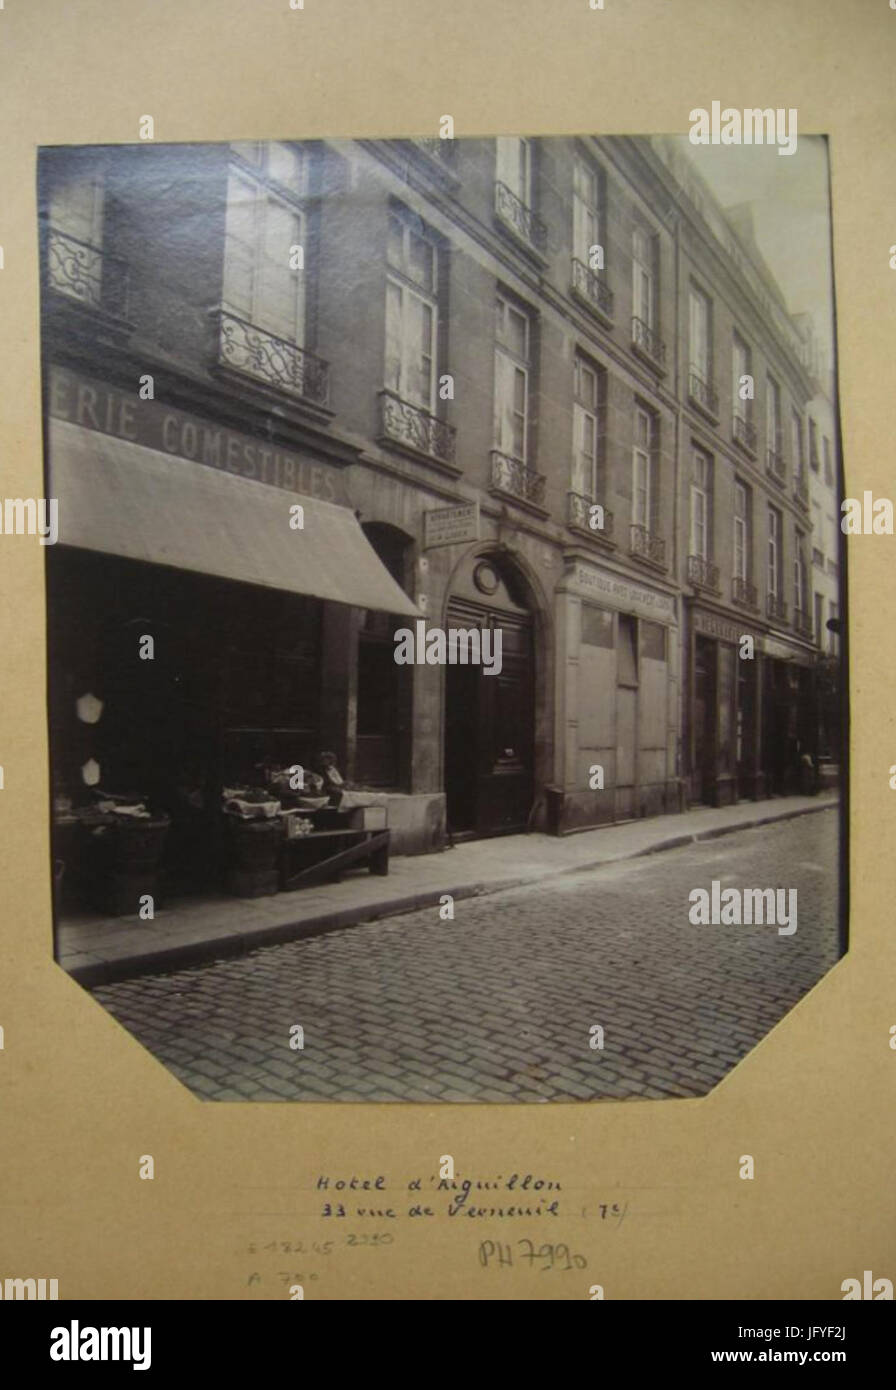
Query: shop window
x=626 y=651
x=597 y=626
x=653 y=641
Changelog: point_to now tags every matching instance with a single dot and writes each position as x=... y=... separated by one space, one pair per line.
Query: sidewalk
x=96 y=949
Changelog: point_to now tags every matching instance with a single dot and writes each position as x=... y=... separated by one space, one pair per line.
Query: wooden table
x=323 y=854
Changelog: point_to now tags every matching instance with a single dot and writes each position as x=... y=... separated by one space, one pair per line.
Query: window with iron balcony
x=701 y=390
x=510 y=473
x=645 y=543
x=261 y=322
x=646 y=340
x=76 y=262
x=514 y=184
x=408 y=404
x=585 y=507
x=589 y=284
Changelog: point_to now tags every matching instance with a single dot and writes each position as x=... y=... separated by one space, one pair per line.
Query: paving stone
x=500 y=1007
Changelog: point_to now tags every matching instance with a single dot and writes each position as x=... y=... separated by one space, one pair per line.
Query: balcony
x=444 y=152
x=578 y=516
x=703 y=394
x=648 y=343
x=647 y=546
x=256 y=353
x=414 y=428
x=512 y=477
x=594 y=292
x=776 y=608
x=802 y=623
x=801 y=489
x=743 y=593
x=703 y=574
x=521 y=220
x=776 y=467
x=86 y=273
x=744 y=434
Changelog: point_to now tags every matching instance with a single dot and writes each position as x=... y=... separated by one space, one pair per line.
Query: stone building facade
x=479 y=369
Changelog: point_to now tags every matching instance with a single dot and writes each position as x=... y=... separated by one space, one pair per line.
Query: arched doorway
x=490 y=718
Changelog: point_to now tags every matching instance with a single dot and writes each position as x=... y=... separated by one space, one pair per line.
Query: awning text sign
x=95 y=405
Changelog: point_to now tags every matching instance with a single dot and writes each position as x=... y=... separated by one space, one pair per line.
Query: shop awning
x=124 y=499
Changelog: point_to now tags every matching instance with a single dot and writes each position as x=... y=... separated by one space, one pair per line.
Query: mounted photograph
x=446 y=656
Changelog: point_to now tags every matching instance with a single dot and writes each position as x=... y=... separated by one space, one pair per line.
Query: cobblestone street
x=498 y=1004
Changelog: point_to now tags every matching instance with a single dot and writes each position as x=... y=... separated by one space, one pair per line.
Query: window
x=700 y=335
x=265 y=220
x=701 y=497
x=828 y=466
x=832 y=636
x=774 y=552
x=796 y=442
x=740 y=364
x=514 y=166
x=626 y=652
x=813 y=445
x=741 y=531
x=799 y=574
x=586 y=202
x=77 y=211
x=411 y=310
x=773 y=416
x=586 y=435
x=512 y=333
x=819 y=618
x=642 y=470
x=653 y=641
x=644 y=276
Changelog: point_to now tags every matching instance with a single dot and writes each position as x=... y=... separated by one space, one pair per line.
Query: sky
x=791 y=212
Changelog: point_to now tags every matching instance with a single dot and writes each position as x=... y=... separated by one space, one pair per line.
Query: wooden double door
x=490 y=727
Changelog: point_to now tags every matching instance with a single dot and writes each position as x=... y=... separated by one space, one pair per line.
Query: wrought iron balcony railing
x=579 y=514
x=649 y=341
x=703 y=574
x=445 y=151
x=745 y=433
x=703 y=393
x=415 y=427
x=592 y=289
x=776 y=608
x=255 y=352
x=776 y=467
x=648 y=546
x=802 y=622
x=519 y=218
x=86 y=273
x=801 y=489
x=743 y=593
x=511 y=475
